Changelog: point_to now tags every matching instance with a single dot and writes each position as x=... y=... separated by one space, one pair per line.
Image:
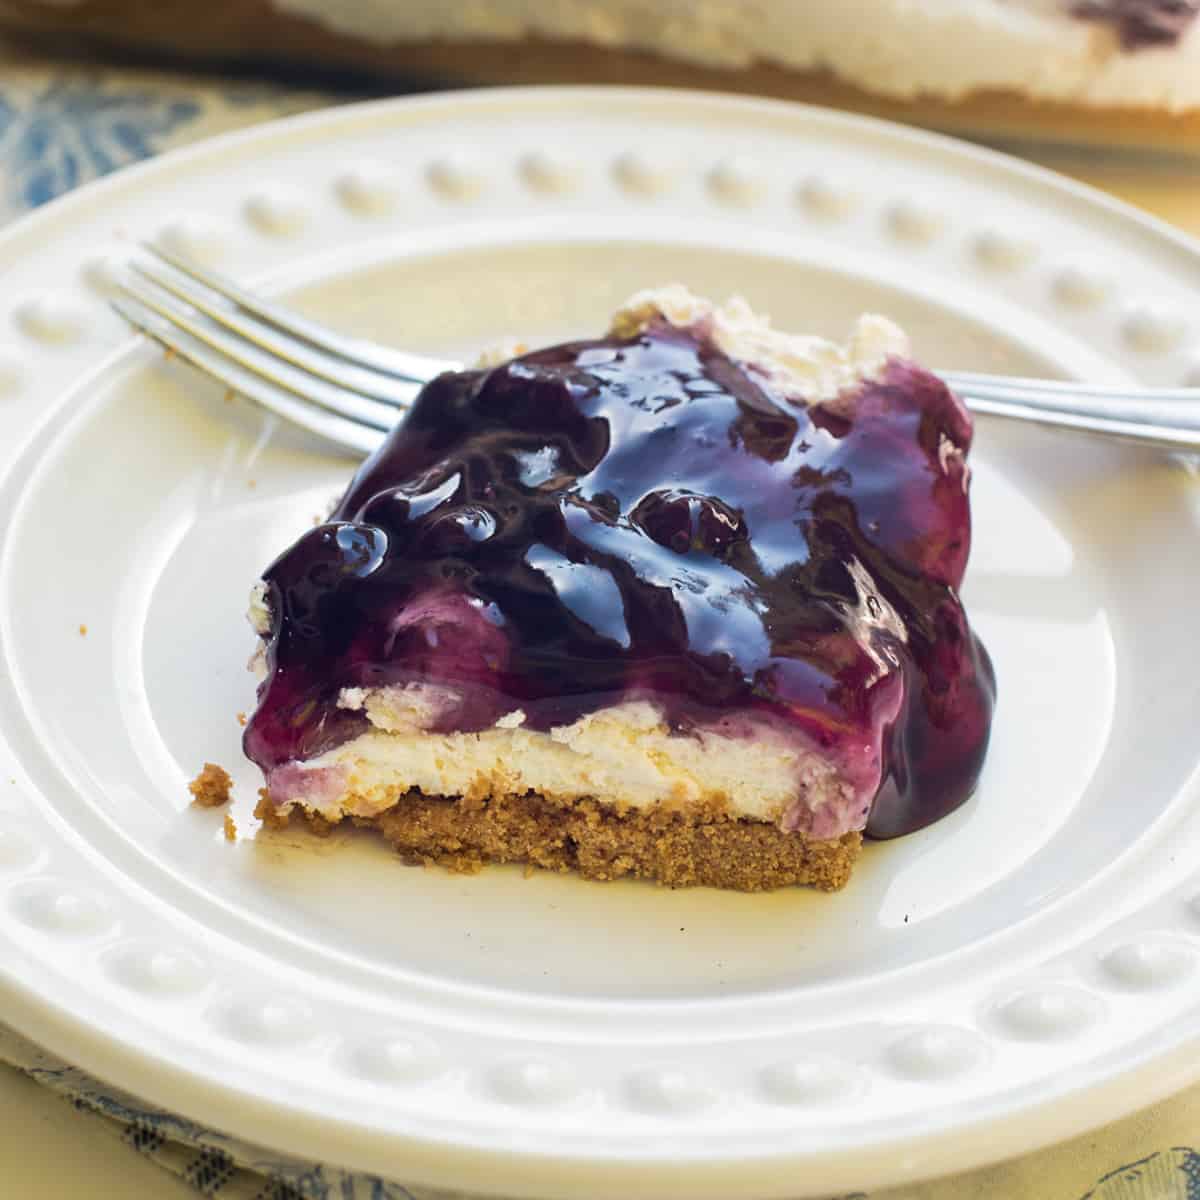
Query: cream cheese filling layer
x=624 y=755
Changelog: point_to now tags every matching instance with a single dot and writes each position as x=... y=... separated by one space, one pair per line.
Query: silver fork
x=351 y=392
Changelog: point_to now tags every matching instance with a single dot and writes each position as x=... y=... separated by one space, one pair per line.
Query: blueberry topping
x=644 y=518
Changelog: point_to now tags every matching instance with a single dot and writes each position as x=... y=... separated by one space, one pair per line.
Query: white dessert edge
x=902 y=48
x=806 y=368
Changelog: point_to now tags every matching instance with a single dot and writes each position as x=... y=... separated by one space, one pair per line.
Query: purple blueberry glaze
x=1141 y=23
x=645 y=518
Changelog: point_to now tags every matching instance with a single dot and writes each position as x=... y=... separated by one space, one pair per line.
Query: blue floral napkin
x=62 y=124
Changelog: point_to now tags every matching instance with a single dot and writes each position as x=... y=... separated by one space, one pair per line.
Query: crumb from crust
x=702 y=846
x=501 y=351
x=83 y=631
x=230 y=827
x=318 y=826
x=268 y=814
x=241 y=719
x=212 y=787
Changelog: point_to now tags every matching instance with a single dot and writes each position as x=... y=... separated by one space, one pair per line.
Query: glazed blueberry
x=1141 y=22
x=643 y=518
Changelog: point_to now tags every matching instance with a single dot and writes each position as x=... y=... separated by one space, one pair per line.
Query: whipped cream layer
x=813 y=370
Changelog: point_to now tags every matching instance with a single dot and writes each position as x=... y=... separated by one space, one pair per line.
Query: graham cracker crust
x=674 y=848
x=212 y=787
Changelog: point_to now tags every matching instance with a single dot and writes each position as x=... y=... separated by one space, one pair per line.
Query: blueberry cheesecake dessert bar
x=679 y=602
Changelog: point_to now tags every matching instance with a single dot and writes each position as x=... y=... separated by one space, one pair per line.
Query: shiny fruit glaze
x=647 y=518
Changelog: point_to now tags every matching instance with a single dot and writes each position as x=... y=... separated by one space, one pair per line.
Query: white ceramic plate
x=1019 y=971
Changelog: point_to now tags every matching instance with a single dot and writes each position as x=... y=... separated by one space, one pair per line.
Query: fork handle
x=1171 y=425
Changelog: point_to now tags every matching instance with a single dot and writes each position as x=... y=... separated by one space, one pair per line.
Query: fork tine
x=414 y=367
x=347 y=434
x=247 y=356
x=363 y=380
